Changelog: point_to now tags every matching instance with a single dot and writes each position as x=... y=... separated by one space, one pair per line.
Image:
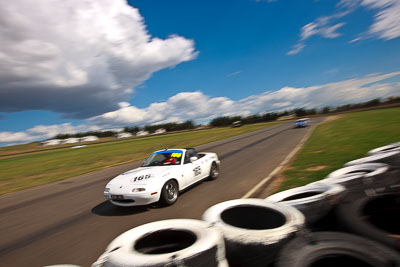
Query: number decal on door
x=197 y=171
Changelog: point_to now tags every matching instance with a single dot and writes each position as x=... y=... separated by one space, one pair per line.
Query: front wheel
x=169 y=193
x=214 y=171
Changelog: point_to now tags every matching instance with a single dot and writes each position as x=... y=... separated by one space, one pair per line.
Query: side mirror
x=192 y=159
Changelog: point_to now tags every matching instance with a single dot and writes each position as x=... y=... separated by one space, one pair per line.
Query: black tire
x=214 y=171
x=336 y=249
x=169 y=193
x=375 y=217
x=176 y=242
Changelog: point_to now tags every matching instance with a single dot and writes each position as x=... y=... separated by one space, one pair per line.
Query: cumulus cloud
x=386 y=24
x=199 y=107
x=180 y=107
x=78 y=58
x=15 y=137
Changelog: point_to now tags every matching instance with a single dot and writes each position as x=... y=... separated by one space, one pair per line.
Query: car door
x=192 y=170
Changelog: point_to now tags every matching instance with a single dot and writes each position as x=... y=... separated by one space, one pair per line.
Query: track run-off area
x=71 y=222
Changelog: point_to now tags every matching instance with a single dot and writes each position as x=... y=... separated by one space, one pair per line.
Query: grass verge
x=33 y=169
x=338 y=141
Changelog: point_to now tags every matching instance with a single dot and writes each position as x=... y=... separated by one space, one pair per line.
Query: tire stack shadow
x=350 y=218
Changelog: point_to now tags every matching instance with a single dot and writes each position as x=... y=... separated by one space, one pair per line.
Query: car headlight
x=134 y=190
x=106 y=190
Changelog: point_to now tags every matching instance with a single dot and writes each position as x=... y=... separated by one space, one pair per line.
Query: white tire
x=369 y=169
x=254 y=229
x=392 y=158
x=356 y=176
x=391 y=147
x=313 y=200
x=174 y=242
x=377 y=177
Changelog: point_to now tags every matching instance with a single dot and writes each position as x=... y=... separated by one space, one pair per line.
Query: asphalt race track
x=70 y=221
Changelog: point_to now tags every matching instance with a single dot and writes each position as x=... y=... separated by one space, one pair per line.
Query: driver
x=170 y=161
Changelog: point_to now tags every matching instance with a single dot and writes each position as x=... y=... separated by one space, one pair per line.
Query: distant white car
x=302 y=122
x=161 y=177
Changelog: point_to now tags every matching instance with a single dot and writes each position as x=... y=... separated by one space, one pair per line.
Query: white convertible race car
x=161 y=177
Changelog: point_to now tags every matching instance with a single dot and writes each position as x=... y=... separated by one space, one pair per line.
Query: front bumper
x=136 y=199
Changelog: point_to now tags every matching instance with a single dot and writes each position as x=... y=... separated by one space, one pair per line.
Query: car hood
x=142 y=175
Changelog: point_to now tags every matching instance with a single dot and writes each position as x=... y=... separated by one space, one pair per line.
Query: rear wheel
x=214 y=171
x=169 y=193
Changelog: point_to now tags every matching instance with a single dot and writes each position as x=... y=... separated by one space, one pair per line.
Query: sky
x=75 y=66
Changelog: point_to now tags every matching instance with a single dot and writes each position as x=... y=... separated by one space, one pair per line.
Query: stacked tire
x=254 y=230
x=176 y=242
x=313 y=200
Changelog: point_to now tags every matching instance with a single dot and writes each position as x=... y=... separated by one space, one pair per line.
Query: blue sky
x=251 y=39
x=74 y=66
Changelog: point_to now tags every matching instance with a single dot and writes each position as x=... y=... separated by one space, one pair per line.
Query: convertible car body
x=161 y=177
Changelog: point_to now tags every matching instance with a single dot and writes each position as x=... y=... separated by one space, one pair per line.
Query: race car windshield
x=164 y=158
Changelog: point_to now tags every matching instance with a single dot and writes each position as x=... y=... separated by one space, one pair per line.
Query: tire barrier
x=254 y=229
x=391 y=147
x=313 y=200
x=177 y=242
x=323 y=249
x=376 y=217
x=391 y=158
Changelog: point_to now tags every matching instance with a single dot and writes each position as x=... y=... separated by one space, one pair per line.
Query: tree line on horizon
x=229 y=120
